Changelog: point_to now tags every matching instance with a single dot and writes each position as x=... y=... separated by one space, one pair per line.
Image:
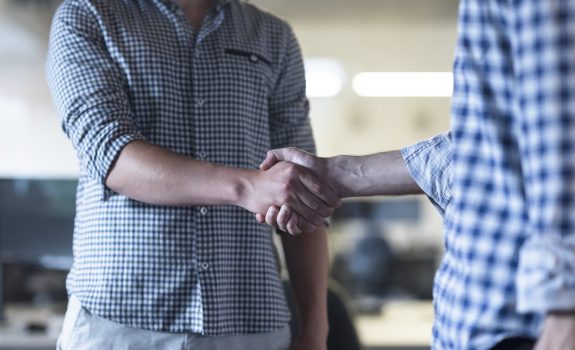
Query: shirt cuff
x=429 y=163
x=546 y=277
x=110 y=152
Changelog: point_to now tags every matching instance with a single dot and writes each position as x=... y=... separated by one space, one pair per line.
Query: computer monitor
x=37 y=221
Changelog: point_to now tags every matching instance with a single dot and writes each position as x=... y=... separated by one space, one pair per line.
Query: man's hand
x=295 y=188
x=284 y=217
x=558 y=332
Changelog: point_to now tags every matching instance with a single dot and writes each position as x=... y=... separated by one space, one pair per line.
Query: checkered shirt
x=506 y=173
x=128 y=70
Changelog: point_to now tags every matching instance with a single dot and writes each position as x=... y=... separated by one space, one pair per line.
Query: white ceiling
x=343 y=8
x=24 y=23
x=305 y=7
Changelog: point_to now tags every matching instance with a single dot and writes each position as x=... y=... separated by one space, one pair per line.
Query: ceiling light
x=403 y=84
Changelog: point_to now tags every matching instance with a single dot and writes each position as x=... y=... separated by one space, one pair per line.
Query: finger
x=260 y=218
x=295 y=155
x=320 y=190
x=292 y=225
x=271 y=216
x=289 y=154
x=283 y=217
x=270 y=160
x=311 y=201
x=304 y=211
x=306 y=226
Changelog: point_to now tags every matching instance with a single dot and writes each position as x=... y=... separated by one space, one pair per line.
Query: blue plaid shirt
x=127 y=70
x=504 y=178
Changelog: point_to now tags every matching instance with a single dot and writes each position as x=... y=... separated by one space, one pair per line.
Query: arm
x=155 y=175
x=378 y=174
x=91 y=94
x=307 y=263
x=421 y=168
x=352 y=176
x=545 y=88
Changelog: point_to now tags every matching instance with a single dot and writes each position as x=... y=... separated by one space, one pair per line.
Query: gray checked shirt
x=128 y=70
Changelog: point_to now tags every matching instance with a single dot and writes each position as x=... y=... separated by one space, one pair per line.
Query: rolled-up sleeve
x=89 y=91
x=429 y=163
x=543 y=44
x=289 y=107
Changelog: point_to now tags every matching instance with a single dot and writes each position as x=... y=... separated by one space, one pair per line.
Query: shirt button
x=202 y=155
x=204 y=266
x=204 y=210
x=200 y=102
x=254 y=58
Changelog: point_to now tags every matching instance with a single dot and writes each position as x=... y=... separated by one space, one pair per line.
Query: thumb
x=260 y=218
x=277 y=155
x=289 y=154
x=270 y=161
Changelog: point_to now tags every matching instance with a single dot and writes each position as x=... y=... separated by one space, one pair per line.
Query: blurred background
x=378 y=75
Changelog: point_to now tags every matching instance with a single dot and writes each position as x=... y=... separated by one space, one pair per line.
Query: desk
x=13 y=334
x=401 y=324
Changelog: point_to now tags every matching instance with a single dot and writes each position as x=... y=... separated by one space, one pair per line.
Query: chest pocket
x=249 y=73
x=253 y=57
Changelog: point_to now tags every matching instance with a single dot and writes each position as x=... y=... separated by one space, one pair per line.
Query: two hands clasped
x=308 y=196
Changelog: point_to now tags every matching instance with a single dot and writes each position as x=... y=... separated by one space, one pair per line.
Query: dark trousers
x=515 y=344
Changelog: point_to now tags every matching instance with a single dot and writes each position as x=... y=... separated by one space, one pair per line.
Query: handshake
x=294 y=191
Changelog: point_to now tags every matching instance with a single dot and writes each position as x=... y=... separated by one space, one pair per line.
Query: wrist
x=337 y=169
x=243 y=188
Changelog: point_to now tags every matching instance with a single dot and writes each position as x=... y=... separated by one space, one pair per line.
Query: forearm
x=377 y=174
x=154 y=175
x=307 y=262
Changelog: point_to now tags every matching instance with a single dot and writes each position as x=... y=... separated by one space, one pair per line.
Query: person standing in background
x=504 y=179
x=170 y=106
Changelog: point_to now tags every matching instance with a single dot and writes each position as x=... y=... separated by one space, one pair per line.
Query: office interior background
x=378 y=75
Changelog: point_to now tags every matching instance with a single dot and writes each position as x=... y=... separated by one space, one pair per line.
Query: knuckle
x=291 y=169
x=285 y=197
x=315 y=206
